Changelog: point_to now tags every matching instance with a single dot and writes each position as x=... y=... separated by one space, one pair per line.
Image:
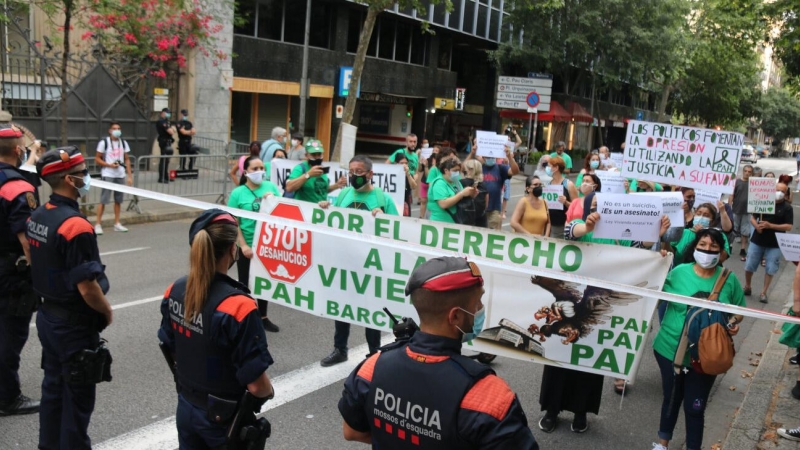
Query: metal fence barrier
x=242 y=148
x=209 y=178
x=210 y=146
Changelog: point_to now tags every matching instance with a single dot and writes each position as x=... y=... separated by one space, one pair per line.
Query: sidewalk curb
x=148 y=217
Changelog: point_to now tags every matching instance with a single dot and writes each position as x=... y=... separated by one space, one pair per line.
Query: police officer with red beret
x=214 y=341
x=69 y=276
x=423 y=393
x=17 y=299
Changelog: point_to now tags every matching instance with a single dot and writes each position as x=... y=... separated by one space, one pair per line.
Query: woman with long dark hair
x=238 y=169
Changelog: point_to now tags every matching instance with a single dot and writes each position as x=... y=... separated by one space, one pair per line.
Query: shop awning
x=579 y=113
x=557 y=113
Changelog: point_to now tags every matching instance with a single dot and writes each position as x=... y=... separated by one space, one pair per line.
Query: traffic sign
x=510 y=104
x=285 y=252
x=532 y=100
x=515 y=89
x=530 y=82
x=522 y=97
x=523 y=93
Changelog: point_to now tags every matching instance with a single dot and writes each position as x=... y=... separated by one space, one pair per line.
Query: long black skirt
x=570 y=390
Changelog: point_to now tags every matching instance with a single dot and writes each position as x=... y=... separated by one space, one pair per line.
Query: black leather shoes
x=337 y=356
x=269 y=326
x=20 y=405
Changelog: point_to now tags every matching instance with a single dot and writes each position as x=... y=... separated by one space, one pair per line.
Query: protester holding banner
x=558 y=217
x=309 y=180
x=590 y=164
x=446 y=191
x=697 y=278
x=237 y=170
x=247 y=196
x=741 y=219
x=589 y=183
x=531 y=215
x=764 y=244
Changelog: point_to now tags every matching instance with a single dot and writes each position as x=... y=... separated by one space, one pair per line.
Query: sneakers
x=657 y=446
x=548 y=423
x=269 y=326
x=98 y=229
x=579 y=423
x=337 y=356
x=20 y=405
x=792 y=435
x=763 y=298
x=793 y=359
x=119 y=227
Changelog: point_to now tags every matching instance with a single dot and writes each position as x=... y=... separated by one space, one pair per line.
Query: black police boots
x=18 y=406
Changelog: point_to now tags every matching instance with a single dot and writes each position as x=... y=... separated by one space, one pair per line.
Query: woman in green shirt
x=696 y=279
x=253 y=187
x=704 y=216
x=446 y=191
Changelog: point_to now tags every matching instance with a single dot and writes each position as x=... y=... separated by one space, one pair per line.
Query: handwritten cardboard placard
x=682 y=156
x=761 y=195
x=790 y=245
x=491 y=145
x=611 y=182
x=628 y=217
x=550 y=194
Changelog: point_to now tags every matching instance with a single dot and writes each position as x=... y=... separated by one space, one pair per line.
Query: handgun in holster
x=89 y=366
x=247 y=431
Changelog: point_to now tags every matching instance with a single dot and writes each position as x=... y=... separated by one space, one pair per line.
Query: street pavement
x=134 y=410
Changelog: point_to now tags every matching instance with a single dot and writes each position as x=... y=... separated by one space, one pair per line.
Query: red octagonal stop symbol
x=285 y=251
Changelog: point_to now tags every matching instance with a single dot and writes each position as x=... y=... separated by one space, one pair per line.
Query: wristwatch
x=307 y=176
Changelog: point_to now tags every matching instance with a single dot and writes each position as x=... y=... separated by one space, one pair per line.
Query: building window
x=445 y=52
x=392 y=39
x=439 y=12
x=617 y=97
x=455 y=15
x=469 y=17
x=386 y=39
x=284 y=20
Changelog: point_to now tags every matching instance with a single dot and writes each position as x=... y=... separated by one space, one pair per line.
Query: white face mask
x=295 y=142
x=586 y=188
x=706 y=259
x=256 y=177
x=779 y=195
x=424 y=145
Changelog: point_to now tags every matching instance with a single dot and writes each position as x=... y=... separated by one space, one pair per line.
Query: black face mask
x=315 y=162
x=537 y=191
x=358 y=181
x=690 y=204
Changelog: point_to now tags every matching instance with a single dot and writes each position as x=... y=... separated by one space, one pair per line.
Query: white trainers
x=657 y=446
x=792 y=435
x=119 y=227
x=98 y=229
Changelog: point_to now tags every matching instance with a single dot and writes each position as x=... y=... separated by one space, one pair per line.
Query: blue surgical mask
x=702 y=221
x=455 y=176
x=490 y=162
x=83 y=191
x=167 y=115
x=116 y=133
x=594 y=164
x=548 y=171
x=477 y=324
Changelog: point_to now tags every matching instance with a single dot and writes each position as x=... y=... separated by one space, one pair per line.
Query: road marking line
x=163 y=435
x=124 y=251
x=125 y=305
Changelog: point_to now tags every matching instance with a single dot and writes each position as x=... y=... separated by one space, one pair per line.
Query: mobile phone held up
x=325 y=169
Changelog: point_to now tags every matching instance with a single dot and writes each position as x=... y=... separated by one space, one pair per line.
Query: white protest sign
x=348 y=144
x=611 y=182
x=789 y=244
x=616 y=159
x=672 y=206
x=761 y=195
x=389 y=177
x=425 y=152
x=628 y=217
x=550 y=194
x=491 y=144
x=703 y=196
x=682 y=156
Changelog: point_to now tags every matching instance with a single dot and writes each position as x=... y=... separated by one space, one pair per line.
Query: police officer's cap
x=208 y=217
x=185 y=112
x=166 y=110
x=314 y=146
x=59 y=160
x=443 y=274
x=10 y=131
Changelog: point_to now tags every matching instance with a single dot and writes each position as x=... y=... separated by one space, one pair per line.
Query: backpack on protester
x=705 y=335
x=287 y=194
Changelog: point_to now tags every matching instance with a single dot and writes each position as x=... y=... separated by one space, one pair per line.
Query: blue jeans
x=690 y=388
x=755 y=253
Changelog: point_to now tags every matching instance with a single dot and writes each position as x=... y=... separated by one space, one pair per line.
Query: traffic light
x=409 y=110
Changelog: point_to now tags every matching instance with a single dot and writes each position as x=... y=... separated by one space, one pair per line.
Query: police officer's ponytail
x=208 y=246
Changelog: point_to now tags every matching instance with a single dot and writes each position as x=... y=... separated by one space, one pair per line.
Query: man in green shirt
x=362 y=195
x=560 y=147
x=410 y=150
x=309 y=180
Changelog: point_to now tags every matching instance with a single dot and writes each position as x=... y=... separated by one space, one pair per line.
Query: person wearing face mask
x=590 y=164
x=364 y=196
x=446 y=191
x=688 y=387
x=308 y=180
x=473 y=407
x=69 y=276
x=238 y=170
x=17 y=298
x=605 y=159
x=764 y=243
x=253 y=186
x=211 y=327
x=558 y=217
x=277 y=141
x=704 y=216
x=165 y=139
x=589 y=183
x=112 y=157
x=297 y=151
x=688 y=206
x=531 y=215
x=494 y=178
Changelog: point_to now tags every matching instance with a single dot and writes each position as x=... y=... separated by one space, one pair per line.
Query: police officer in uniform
x=165 y=140
x=212 y=329
x=17 y=300
x=185 y=132
x=69 y=276
x=422 y=393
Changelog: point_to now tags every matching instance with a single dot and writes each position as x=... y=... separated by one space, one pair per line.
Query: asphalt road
x=142 y=263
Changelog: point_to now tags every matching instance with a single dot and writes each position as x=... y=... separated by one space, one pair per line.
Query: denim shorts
x=755 y=253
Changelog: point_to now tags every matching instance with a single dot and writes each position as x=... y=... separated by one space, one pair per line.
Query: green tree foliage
x=784 y=18
x=779 y=113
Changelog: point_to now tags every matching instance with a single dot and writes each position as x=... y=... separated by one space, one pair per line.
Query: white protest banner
x=703 y=196
x=790 y=245
x=347 y=265
x=348 y=144
x=672 y=205
x=389 y=177
x=682 y=156
x=550 y=194
x=761 y=195
x=425 y=152
x=491 y=144
x=611 y=182
x=628 y=217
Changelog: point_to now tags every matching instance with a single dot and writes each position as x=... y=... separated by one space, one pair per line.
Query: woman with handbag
x=684 y=382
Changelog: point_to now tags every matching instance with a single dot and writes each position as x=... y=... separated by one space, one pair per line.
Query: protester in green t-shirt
x=361 y=195
x=253 y=187
x=410 y=150
x=704 y=216
x=446 y=191
x=561 y=152
x=688 y=387
x=308 y=180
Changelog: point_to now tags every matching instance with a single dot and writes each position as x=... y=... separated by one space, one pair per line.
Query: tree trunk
x=662 y=106
x=68 y=6
x=358 y=68
x=590 y=134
